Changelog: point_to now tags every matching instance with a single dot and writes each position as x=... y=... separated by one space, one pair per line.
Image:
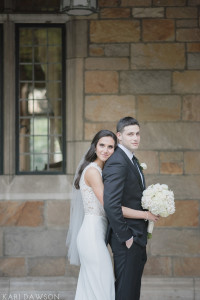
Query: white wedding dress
x=96 y=277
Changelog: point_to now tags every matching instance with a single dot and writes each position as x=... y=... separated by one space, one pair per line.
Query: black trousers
x=128 y=267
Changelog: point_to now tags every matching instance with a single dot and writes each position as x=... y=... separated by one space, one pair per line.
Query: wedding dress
x=96 y=278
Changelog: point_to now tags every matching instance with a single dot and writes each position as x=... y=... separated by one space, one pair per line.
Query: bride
x=88 y=223
x=96 y=278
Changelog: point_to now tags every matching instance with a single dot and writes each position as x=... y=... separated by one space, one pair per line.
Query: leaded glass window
x=40 y=99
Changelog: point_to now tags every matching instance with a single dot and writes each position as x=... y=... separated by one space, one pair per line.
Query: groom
x=123 y=186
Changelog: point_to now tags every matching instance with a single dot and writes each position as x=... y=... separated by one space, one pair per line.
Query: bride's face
x=105 y=148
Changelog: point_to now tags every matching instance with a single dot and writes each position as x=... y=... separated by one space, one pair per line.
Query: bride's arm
x=94 y=180
x=138 y=214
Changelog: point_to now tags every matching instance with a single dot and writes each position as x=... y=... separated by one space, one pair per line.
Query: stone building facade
x=137 y=58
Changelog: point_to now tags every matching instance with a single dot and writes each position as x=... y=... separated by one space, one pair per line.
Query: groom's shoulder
x=117 y=156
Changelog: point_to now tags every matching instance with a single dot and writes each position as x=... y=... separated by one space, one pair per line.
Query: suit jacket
x=123 y=187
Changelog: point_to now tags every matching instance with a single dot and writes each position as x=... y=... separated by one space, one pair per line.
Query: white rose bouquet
x=159 y=200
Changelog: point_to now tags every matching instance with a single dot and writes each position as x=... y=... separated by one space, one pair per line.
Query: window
x=40 y=99
x=1 y=99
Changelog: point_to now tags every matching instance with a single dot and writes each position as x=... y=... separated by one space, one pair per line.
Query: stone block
x=171 y=163
x=175 y=156
x=75 y=151
x=101 y=82
x=18 y=213
x=188 y=35
x=72 y=270
x=186 y=82
x=1 y=242
x=193 y=61
x=167 y=242
x=191 y=162
x=43 y=285
x=186 y=215
x=157 y=12
x=160 y=266
x=23 y=187
x=115 y=13
x=169 y=2
x=150 y=158
x=92 y=128
x=96 y=50
x=111 y=3
x=31 y=242
x=4 y=286
x=145 y=56
x=169 y=136
x=106 y=108
x=184 y=187
x=197 y=288
x=145 y=82
x=193 y=47
x=114 y=31
x=167 y=288
x=93 y=16
x=135 y=3
x=187 y=266
x=191 y=108
x=171 y=168
x=187 y=23
x=117 y=50
x=107 y=63
x=181 y=12
x=57 y=213
x=159 y=108
x=158 y=30
x=46 y=266
x=11 y=267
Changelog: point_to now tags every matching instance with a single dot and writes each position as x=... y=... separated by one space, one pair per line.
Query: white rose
x=143 y=166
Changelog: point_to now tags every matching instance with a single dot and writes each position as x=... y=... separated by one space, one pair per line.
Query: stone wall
x=144 y=61
x=139 y=58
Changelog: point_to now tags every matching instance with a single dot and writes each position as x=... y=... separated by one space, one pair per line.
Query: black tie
x=136 y=164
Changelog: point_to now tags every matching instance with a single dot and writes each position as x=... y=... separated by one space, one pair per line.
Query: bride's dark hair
x=91 y=154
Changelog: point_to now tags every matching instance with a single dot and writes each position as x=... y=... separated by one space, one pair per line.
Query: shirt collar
x=128 y=152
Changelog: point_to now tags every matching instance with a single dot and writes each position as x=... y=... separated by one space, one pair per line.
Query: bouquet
x=159 y=200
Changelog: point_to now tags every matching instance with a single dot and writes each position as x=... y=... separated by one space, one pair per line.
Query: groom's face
x=130 y=137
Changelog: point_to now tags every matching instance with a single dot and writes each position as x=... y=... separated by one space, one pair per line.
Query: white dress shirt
x=128 y=152
x=130 y=156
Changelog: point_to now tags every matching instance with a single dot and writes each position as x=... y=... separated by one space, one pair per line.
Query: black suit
x=123 y=187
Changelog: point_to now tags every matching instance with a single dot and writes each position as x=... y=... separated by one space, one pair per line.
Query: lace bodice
x=92 y=205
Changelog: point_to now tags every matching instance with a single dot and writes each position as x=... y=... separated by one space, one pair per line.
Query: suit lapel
x=132 y=167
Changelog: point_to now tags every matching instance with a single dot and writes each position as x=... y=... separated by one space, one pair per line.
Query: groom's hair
x=126 y=121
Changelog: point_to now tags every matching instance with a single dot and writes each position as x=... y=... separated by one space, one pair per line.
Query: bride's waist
x=93 y=212
x=93 y=216
x=96 y=219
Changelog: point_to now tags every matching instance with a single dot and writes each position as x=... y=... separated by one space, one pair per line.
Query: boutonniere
x=143 y=166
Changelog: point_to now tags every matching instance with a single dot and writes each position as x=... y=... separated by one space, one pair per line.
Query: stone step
x=63 y=288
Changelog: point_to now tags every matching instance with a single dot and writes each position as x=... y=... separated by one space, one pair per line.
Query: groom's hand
x=129 y=242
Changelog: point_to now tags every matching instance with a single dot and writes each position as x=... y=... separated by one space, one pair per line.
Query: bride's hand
x=151 y=217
